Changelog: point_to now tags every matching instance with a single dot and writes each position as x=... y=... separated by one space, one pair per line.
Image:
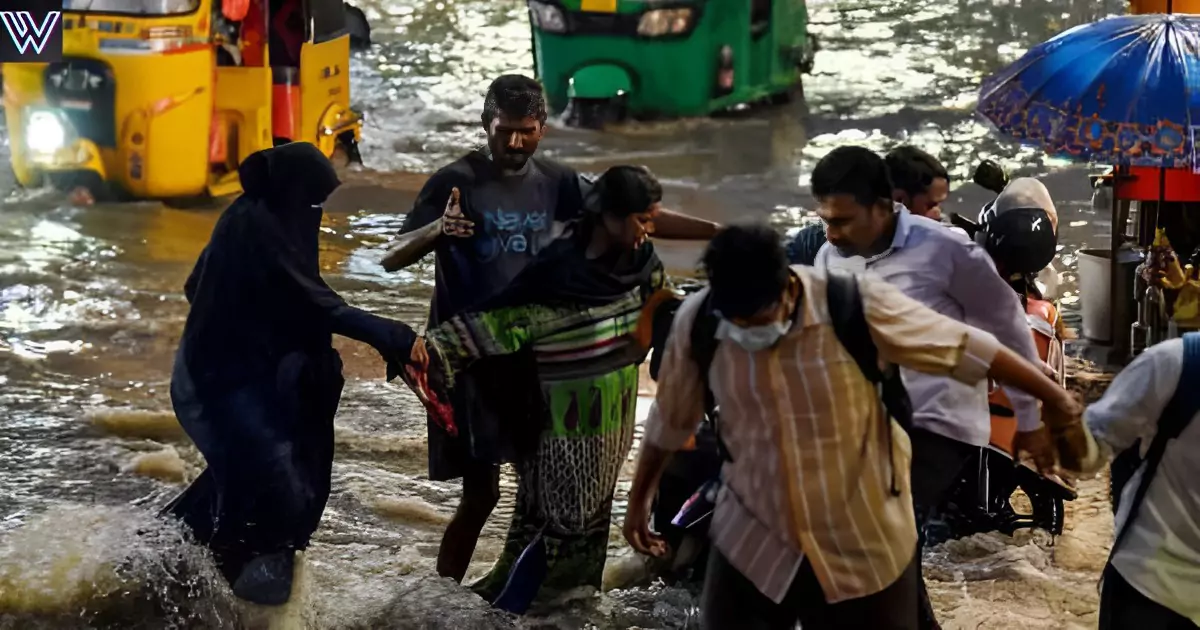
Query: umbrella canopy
x=1124 y=90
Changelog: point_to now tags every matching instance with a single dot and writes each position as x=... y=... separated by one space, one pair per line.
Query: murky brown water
x=91 y=309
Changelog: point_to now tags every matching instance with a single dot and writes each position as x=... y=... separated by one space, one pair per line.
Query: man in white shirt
x=1152 y=580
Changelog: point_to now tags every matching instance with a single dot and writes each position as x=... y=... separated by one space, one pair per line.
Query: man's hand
x=1038 y=445
x=1049 y=371
x=1077 y=450
x=637 y=529
x=454 y=222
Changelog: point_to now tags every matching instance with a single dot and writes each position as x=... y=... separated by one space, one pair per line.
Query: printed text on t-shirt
x=514 y=231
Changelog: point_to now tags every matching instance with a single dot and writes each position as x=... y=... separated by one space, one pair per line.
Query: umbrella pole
x=1117 y=336
x=1164 y=322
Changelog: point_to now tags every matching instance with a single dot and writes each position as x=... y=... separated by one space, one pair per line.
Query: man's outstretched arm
x=412 y=246
x=912 y=335
x=673 y=225
x=424 y=225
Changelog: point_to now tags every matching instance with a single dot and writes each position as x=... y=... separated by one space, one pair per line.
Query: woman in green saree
x=567 y=324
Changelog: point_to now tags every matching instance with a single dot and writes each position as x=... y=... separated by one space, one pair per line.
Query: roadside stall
x=1121 y=91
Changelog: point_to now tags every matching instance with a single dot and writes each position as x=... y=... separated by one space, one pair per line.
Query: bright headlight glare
x=661 y=22
x=45 y=132
x=547 y=17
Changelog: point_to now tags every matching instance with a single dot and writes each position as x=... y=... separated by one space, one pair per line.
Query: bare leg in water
x=481 y=493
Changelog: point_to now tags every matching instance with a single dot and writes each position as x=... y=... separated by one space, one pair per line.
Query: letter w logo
x=26 y=32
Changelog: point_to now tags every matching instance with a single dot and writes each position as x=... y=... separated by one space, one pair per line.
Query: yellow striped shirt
x=811 y=472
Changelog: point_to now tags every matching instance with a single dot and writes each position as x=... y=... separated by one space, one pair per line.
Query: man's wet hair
x=747 y=269
x=514 y=95
x=855 y=171
x=913 y=170
x=625 y=190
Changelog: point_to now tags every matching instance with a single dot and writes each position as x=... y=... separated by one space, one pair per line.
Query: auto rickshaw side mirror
x=965 y=224
x=235 y=10
x=991 y=176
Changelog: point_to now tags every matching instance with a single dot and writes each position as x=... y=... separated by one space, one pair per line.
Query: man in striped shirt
x=815 y=521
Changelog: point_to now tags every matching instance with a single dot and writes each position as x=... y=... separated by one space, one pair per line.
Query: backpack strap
x=704 y=344
x=1176 y=416
x=849 y=321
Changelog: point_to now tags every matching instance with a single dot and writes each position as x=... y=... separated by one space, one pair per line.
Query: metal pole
x=1119 y=350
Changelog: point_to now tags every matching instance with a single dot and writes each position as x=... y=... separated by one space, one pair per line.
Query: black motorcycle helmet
x=1019 y=228
x=1020 y=240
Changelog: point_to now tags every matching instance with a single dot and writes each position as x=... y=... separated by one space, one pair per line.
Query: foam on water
x=164 y=465
x=137 y=423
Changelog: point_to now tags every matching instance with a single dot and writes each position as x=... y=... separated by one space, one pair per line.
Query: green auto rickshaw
x=602 y=60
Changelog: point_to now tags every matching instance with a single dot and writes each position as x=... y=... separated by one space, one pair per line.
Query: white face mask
x=754 y=338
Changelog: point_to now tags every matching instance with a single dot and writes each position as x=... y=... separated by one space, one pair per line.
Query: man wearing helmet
x=1018 y=230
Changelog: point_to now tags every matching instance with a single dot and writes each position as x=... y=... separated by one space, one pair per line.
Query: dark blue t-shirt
x=803 y=248
x=516 y=216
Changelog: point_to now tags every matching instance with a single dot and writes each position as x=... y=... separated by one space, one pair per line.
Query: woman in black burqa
x=257 y=382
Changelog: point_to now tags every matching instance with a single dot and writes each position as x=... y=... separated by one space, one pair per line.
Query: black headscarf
x=291 y=182
x=257 y=292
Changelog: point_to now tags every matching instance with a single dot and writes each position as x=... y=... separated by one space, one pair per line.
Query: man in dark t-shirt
x=486 y=216
x=509 y=215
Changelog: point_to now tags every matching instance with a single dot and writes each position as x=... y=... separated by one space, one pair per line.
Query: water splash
x=77 y=566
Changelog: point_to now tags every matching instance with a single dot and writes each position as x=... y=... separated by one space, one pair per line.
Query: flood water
x=91 y=308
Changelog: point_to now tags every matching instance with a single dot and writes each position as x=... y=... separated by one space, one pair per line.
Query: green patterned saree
x=587 y=370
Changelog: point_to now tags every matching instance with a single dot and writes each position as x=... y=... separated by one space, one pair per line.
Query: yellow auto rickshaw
x=162 y=99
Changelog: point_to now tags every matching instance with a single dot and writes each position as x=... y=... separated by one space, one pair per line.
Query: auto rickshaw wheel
x=84 y=187
x=346 y=152
x=782 y=98
x=595 y=113
x=808 y=57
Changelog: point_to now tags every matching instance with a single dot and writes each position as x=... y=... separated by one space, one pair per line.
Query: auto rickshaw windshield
x=132 y=7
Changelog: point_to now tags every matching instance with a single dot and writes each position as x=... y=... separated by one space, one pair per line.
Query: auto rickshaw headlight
x=547 y=17
x=45 y=132
x=660 y=22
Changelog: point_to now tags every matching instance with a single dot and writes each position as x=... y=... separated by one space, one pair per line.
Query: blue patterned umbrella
x=1124 y=90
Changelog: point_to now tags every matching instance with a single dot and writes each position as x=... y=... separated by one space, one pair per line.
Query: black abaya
x=256 y=381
